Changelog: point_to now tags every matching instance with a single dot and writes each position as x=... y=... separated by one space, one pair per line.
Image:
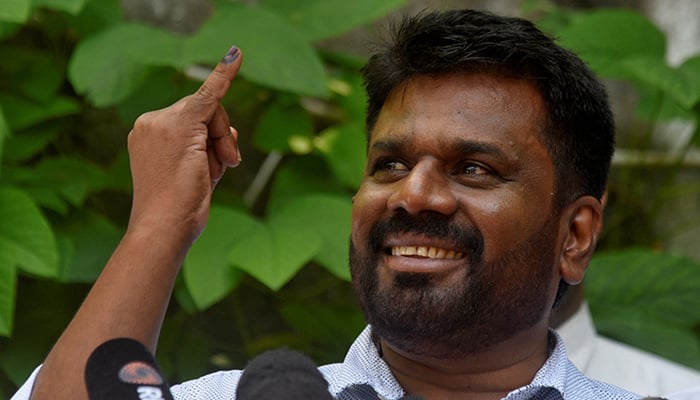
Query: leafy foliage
x=271 y=267
x=639 y=295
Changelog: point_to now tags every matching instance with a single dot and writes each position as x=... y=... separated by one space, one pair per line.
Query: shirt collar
x=363 y=353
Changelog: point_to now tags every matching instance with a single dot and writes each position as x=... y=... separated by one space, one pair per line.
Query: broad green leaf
x=27 y=143
x=664 y=286
x=107 y=71
x=690 y=69
x=86 y=241
x=344 y=148
x=70 y=6
x=207 y=272
x=604 y=37
x=275 y=251
x=276 y=55
x=282 y=124
x=36 y=75
x=655 y=105
x=680 y=85
x=22 y=113
x=328 y=217
x=7 y=29
x=15 y=10
x=95 y=16
x=69 y=180
x=647 y=299
x=300 y=176
x=322 y=19
x=633 y=326
x=26 y=239
x=8 y=283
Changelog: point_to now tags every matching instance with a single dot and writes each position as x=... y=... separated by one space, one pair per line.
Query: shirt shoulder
x=220 y=385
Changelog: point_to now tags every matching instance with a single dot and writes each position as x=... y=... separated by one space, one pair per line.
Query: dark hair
x=579 y=131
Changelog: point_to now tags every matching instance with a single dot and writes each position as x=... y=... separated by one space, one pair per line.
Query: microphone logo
x=140 y=373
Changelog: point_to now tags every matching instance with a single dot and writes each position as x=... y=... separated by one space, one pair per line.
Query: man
x=489 y=148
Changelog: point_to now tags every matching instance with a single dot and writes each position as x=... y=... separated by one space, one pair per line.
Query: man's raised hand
x=179 y=153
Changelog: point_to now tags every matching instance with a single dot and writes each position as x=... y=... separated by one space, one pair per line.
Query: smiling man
x=488 y=153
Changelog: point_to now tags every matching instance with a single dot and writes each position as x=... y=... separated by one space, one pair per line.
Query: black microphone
x=124 y=369
x=282 y=374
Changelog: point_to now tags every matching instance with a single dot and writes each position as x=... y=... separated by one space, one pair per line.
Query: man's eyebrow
x=461 y=147
x=390 y=146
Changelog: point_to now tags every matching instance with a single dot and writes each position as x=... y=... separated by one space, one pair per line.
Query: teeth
x=426 y=251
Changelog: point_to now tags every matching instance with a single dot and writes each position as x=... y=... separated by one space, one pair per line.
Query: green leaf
x=207 y=272
x=682 y=85
x=605 y=37
x=647 y=299
x=322 y=19
x=86 y=241
x=280 y=125
x=26 y=239
x=654 y=105
x=344 y=148
x=95 y=16
x=27 y=143
x=300 y=176
x=8 y=283
x=275 y=251
x=662 y=285
x=635 y=327
x=328 y=217
x=59 y=179
x=107 y=71
x=690 y=69
x=35 y=74
x=15 y=10
x=70 y=6
x=276 y=55
x=23 y=113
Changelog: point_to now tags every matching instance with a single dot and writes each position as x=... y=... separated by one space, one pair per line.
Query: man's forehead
x=461 y=106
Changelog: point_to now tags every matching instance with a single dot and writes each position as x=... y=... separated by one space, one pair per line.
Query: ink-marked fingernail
x=231 y=56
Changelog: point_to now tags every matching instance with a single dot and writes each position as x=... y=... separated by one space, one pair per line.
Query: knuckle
x=143 y=121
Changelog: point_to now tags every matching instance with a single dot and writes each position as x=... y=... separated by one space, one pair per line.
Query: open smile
x=426 y=252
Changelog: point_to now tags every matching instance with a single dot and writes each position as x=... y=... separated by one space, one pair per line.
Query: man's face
x=453 y=234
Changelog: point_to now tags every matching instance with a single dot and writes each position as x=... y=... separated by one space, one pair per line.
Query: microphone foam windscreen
x=124 y=369
x=282 y=374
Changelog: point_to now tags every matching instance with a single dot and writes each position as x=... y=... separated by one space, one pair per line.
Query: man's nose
x=426 y=188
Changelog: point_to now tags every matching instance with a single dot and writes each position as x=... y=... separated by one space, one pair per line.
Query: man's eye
x=390 y=166
x=474 y=170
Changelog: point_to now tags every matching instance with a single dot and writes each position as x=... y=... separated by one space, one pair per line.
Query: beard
x=492 y=302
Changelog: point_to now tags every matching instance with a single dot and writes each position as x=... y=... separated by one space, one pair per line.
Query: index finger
x=205 y=102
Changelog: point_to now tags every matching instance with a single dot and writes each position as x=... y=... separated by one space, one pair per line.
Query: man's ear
x=582 y=221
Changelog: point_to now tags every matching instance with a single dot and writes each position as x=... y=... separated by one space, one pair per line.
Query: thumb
x=205 y=102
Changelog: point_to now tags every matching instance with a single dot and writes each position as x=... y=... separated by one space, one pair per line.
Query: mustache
x=429 y=224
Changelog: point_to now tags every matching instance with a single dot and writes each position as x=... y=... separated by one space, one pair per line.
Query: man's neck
x=489 y=375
